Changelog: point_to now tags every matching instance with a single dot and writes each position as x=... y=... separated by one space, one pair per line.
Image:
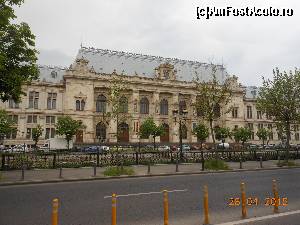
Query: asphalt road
x=83 y=203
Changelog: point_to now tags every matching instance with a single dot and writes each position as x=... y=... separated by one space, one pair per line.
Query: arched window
x=123 y=102
x=184 y=131
x=82 y=105
x=77 y=105
x=101 y=132
x=164 y=107
x=182 y=106
x=101 y=104
x=144 y=106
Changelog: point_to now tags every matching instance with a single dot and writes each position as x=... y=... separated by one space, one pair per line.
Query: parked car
x=252 y=146
x=185 y=147
x=223 y=146
x=164 y=148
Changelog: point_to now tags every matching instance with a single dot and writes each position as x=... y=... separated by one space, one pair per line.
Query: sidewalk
x=86 y=173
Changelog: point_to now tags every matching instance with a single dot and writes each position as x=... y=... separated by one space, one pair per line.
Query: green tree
x=201 y=131
x=6 y=125
x=211 y=96
x=36 y=134
x=149 y=128
x=280 y=99
x=17 y=53
x=263 y=134
x=222 y=133
x=68 y=127
x=242 y=134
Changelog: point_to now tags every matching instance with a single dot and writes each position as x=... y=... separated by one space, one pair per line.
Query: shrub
x=215 y=164
x=117 y=171
x=289 y=164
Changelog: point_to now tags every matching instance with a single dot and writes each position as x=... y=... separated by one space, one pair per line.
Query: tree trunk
x=263 y=143
x=212 y=133
x=288 y=135
x=68 y=144
x=154 y=143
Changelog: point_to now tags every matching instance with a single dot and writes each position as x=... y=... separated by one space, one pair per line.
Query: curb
x=15 y=183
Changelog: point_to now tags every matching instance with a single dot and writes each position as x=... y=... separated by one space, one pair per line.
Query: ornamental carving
x=165 y=71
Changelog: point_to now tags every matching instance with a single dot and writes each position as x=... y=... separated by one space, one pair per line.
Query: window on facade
x=51 y=100
x=270 y=126
x=259 y=115
x=164 y=107
x=50 y=133
x=123 y=104
x=13 y=118
x=182 y=106
x=80 y=105
x=12 y=134
x=28 y=133
x=260 y=126
x=101 y=104
x=296 y=127
x=184 y=131
x=297 y=136
x=271 y=136
x=250 y=126
x=12 y=104
x=32 y=119
x=144 y=106
x=33 y=99
x=268 y=116
x=235 y=112
x=50 y=119
x=249 y=112
x=236 y=127
x=101 y=131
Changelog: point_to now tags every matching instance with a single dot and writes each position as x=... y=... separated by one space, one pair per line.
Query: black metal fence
x=79 y=159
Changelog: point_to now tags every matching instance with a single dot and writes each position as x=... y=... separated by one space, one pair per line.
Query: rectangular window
x=270 y=126
x=268 y=116
x=12 y=104
x=51 y=101
x=32 y=119
x=33 y=100
x=249 y=112
x=271 y=136
x=12 y=134
x=259 y=115
x=250 y=126
x=28 y=133
x=236 y=127
x=296 y=127
x=297 y=136
x=50 y=119
x=260 y=126
x=13 y=118
x=235 y=112
x=50 y=133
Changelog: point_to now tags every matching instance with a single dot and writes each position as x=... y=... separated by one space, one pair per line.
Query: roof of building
x=106 y=61
x=51 y=74
x=251 y=92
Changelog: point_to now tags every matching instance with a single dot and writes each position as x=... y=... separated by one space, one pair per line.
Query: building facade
x=155 y=87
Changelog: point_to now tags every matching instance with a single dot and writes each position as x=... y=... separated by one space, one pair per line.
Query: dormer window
x=53 y=74
x=166 y=74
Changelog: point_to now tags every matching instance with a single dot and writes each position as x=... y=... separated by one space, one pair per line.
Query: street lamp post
x=181 y=116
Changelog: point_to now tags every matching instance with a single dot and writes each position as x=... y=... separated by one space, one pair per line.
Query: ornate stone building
x=155 y=86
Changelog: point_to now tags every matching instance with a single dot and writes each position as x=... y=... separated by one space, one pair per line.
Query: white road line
x=146 y=193
x=260 y=218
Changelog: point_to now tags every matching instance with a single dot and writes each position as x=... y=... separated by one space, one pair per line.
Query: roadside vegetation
x=288 y=164
x=216 y=164
x=118 y=171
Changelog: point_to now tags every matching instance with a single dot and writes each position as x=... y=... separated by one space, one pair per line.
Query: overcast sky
x=249 y=47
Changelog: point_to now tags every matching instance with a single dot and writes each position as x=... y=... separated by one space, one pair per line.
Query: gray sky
x=249 y=47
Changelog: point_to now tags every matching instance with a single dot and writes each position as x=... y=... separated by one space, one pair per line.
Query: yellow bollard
x=244 y=203
x=205 y=205
x=166 y=208
x=55 y=211
x=114 y=209
x=275 y=192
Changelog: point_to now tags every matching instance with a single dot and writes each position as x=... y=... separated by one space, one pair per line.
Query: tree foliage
x=149 y=128
x=6 y=124
x=263 y=134
x=222 y=133
x=280 y=98
x=68 y=127
x=36 y=134
x=201 y=131
x=17 y=53
x=242 y=134
x=211 y=96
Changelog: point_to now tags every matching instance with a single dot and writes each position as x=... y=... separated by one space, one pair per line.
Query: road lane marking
x=147 y=193
x=260 y=218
